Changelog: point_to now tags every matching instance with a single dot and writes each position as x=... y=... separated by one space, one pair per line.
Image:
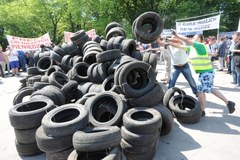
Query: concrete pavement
x=215 y=137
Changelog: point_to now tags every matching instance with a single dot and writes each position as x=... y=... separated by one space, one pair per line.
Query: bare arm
x=183 y=38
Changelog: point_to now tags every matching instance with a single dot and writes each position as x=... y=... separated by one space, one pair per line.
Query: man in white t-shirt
x=179 y=60
x=13 y=60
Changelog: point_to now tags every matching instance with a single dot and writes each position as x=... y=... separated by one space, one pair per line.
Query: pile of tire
x=25 y=118
x=185 y=108
x=88 y=77
x=140 y=133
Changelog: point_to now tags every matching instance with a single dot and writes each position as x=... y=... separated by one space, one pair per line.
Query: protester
x=235 y=50
x=2 y=62
x=212 y=48
x=179 y=61
x=7 y=61
x=221 y=49
x=22 y=60
x=165 y=54
x=200 y=62
x=13 y=60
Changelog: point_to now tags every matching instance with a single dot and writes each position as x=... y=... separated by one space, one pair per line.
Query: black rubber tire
x=69 y=90
x=117 y=43
x=149 y=18
x=33 y=71
x=167 y=119
x=114 y=32
x=170 y=93
x=149 y=99
x=104 y=99
x=62 y=155
x=109 y=55
x=108 y=118
x=112 y=25
x=27 y=150
x=146 y=75
x=90 y=57
x=44 y=63
x=44 y=78
x=65 y=120
x=108 y=84
x=56 y=57
x=79 y=72
x=52 y=143
x=27 y=115
x=58 y=79
x=25 y=136
x=40 y=85
x=21 y=94
x=138 y=139
x=142 y=120
x=97 y=138
x=77 y=35
x=53 y=68
x=185 y=108
x=108 y=154
x=61 y=52
x=51 y=92
x=128 y=46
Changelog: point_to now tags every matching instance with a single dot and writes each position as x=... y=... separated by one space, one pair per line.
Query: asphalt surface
x=215 y=137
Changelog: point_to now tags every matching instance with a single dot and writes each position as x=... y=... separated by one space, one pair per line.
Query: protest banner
x=198 y=25
x=20 y=43
x=91 y=33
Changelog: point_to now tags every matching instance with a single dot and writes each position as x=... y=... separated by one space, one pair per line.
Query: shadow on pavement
x=171 y=145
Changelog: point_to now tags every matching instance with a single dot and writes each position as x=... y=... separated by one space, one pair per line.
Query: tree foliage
x=33 y=18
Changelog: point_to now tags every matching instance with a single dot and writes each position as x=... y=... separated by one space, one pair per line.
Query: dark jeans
x=1 y=70
x=185 y=70
x=229 y=64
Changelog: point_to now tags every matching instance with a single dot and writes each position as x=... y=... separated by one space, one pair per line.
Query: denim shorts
x=14 y=64
x=205 y=82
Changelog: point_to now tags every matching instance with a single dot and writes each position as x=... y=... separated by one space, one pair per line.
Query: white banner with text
x=199 y=25
x=20 y=43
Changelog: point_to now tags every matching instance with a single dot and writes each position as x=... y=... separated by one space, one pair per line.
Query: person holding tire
x=198 y=57
x=180 y=64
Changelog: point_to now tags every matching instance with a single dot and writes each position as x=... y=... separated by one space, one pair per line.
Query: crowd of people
x=12 y=61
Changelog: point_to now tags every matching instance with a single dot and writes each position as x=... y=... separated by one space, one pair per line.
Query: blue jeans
x=236 y=75
x=185 y=70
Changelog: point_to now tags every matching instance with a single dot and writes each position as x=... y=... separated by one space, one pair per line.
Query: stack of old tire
x=25 y=118
x=185 y=108
x=92 y=84
x=54 y=136
x=140 y=133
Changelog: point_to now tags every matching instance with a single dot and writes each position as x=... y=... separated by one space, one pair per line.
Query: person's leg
x=234 y=74
x=1 y=70
x=168 y=69
x=218 y=94
x=174 y=76
x=237 y=69
x=202 y=100
x=220 y=63
x=188 y=76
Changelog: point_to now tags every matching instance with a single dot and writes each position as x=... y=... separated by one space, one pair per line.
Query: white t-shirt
x=13 y=56
x=178 y=56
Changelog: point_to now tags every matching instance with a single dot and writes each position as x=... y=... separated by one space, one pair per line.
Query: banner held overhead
x=20 y=43
x=198 y=25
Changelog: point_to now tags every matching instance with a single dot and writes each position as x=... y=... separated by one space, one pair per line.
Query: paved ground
x=215 y=137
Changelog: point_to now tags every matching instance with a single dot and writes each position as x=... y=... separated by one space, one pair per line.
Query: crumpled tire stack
x=93 y=84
